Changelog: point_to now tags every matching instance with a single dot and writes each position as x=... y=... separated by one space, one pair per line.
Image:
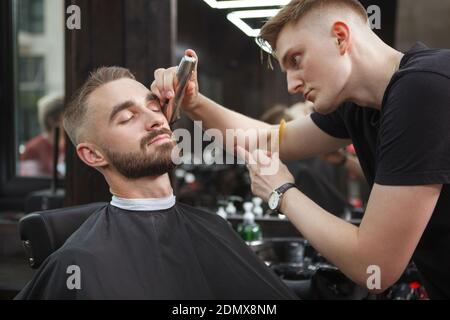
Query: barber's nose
x=294 y=83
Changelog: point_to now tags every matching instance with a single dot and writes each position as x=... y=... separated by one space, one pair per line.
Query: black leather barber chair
x=44 y=232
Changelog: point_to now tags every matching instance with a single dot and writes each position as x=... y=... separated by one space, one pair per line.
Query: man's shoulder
x=420 y=89
x=50 y=280
x=421 y=83
x=83 y=244
x=421 y=59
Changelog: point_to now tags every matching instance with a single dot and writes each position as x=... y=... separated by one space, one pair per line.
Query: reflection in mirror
x=39 y=86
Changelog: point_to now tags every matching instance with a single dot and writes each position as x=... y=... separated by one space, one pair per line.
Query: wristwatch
x=277 y=194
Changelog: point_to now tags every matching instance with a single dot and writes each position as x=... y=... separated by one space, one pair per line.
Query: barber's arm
x=199 y=107
x=301 y=139
x=395 y=218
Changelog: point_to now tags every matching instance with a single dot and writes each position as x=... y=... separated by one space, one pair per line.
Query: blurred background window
x=39 y=84
x=31 y=15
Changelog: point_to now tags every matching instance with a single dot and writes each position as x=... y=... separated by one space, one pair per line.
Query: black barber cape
x=175 y=253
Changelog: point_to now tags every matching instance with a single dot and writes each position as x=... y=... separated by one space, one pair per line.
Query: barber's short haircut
x=50 y=109
x=74 y=116
x=296 y=9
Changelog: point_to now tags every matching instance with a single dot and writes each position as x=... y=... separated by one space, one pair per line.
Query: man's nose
x=153 y=122
x=294 y=83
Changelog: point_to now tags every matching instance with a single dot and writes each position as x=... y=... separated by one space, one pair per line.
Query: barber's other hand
x=166 y=82
x=267 y=172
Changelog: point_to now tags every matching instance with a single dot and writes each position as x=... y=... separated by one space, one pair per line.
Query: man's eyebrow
x=151 y=97
x=122 y=106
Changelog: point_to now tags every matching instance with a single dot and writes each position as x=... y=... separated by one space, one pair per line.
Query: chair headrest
x=44 y=232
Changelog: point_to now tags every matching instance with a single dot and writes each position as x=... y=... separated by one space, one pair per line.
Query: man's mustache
x=153 y=134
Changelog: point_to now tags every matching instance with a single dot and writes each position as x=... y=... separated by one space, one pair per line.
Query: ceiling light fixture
x=228 y=4
x=237 y=18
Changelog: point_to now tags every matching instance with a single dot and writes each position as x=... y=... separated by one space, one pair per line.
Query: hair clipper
x=184 y=73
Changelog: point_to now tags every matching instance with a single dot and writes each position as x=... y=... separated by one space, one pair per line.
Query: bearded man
x=143 y=244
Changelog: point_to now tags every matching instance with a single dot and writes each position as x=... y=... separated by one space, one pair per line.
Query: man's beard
x=134 y=165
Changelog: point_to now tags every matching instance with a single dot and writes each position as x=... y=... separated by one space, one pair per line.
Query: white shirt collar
x=149 y=204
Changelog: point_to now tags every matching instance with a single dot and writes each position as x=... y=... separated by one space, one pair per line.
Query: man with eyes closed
x=143 y=244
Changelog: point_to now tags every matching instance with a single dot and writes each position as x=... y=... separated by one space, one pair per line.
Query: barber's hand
x=166 y=83
x=266 y=170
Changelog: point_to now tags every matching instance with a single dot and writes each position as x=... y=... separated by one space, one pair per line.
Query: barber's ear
x=90 y=155
x=341 y=32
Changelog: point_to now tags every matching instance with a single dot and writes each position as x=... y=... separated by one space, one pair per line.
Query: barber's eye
x=296 y=60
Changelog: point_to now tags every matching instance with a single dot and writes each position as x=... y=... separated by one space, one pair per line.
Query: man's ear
x=90 y=155
x=341 y=32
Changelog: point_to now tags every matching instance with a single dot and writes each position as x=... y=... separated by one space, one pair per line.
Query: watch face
x=273 y=200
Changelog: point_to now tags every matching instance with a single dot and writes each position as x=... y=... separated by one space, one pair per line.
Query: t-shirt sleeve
x=414 y=137
x=332 y=123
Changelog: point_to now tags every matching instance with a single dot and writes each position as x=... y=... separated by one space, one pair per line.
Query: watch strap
x=285 y=187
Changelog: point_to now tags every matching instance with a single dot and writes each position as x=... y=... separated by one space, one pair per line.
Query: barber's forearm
x=334 y=238
x=213 y=115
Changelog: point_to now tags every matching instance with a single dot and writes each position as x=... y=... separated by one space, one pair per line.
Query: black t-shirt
x=408 y=143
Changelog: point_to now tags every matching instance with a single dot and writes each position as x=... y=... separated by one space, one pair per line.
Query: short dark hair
x=75 y=112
